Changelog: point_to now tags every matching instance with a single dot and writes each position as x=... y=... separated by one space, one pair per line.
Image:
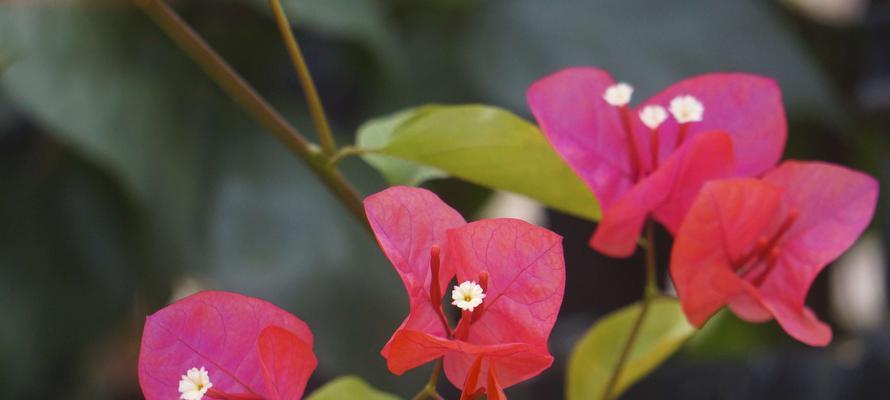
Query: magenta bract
x=250 y=348
x=617 y=155
x=758 y=244
x=504 y=340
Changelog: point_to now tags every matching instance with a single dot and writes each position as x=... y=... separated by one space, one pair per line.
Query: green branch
x=254 y=104
x=322 y=128
x=650 y=294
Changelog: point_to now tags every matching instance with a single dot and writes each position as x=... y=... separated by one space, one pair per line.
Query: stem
x=651 y=273
x=429 y=391
x=322 y=128
x=650 y=293
x=240 y=91
x=344 y=152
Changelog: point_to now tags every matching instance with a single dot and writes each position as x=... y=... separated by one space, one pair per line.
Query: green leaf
x=347 y=388
x=485 y=145
x=377 y=133
x=592 y=361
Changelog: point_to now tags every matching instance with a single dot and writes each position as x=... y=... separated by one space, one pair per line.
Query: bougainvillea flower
x=618 y=151
x=511 y=277
x=224 y=346
x=758 y=244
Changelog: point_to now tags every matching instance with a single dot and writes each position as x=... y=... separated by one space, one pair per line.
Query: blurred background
x=129 y=179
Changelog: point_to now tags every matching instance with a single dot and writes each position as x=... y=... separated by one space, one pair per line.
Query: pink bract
x=521 y=266
x=664 y=193
x=757 y=245
x=589 y=134
x=250 y=348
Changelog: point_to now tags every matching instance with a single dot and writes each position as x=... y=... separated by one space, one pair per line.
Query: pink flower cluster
x=747 y=233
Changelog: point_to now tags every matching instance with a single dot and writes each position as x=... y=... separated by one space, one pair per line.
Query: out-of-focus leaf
x=727 y=336
x=485 y=145
x=592 y=361
x=83 y=75
x=72 y=260
x=348 y=388
x=512 y=43
x=5 y=61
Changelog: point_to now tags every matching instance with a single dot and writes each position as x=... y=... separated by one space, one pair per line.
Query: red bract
x=757 y=245
x=503 y=340
x=618 y=155
x=249 y=348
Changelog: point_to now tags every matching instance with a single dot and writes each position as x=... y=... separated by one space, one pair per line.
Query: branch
x=260 y=109
x=322 y=128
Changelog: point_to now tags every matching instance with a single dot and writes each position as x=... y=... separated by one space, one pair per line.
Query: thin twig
x=429 y=390
x=239 y=90
x=316 y=109
x=650 y=294
x=344 y=152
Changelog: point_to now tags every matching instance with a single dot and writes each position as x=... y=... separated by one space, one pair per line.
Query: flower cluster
x=747 y=234
x=513 y=277
x=641 y=163
x=758 y=244
x=699 y=157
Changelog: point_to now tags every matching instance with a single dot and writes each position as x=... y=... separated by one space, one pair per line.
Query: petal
x=287 y=363
x=411 y=349
x=525 y=289
x=208 y=329
x=471 y=384
x=669 y=192
x=748 y=107
x=584 y=129
x=726 y=218
x=526 y=278
x=407 y=222
x=800 y=322
x=836 y=204
x=749 y=308
x=493 y=389
x=515 y=363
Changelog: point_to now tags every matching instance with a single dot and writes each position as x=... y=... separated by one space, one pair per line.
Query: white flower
x=467 y=296
x=653 y=116
x=687 y=109
x=618 y=94
x=194 y=384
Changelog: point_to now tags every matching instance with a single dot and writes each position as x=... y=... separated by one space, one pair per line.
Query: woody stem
x=429 y=390
x=650 y=293
x=254 y=104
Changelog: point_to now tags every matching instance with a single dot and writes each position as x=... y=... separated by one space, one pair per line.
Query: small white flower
x=467 y=296
x=194 y=384
x=653 y=116
x=618 y=94
x=687 y=109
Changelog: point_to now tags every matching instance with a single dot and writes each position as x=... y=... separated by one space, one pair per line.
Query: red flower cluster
x=758 y=244
x=754 y=244
x=519 y=267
